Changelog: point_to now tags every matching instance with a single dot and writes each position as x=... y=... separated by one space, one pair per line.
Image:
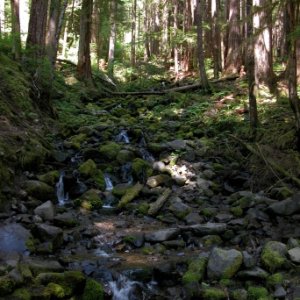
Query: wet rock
x=48 y=233
x=255 y=273
x=13 y=237
x=274 y=255
x=286 y=207
x=66 y=219
x=130 y=194
x=224 y=263
x=45 y=211
x=207 y=228
x=162 y=235
x=178 y=208
x=124 y=156
x=196 y=271
x=39 y=189
x=50 y=178
x=280 y=292
x=39 y=265
x=294 y=255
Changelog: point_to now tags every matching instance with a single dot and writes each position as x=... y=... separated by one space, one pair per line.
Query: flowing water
x=122 y=137
x=123 y=288
x=62 y=197
x=108 y=183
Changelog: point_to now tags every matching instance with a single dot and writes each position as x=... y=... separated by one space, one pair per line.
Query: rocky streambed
x=117 y=214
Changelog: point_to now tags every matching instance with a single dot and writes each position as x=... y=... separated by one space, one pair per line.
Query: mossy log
x=158 y=204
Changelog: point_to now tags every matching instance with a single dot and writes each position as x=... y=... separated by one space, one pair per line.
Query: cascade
x=62 y=197
x=123 y=137
x=123 y=288
x=108 y=183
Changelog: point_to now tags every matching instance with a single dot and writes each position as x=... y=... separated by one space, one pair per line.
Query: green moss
x=214 y=294
x=50 y=178
x=130 y=194
x=39 y=189
x=208 y=212
x=147 y=250
x=237 y=211
x=257 y=293
x=272 y=259
x=75 y=141
x=90 y=200
x=21 y=294
x=239 y=294
x=275 y=279
x=7 y=285
x=56 y=290
x=93 y=290
x=88 y=168
x=143 y=208
x=141 y=169
x=26 y=272
x=31 y=244
x=210 y=240
x=120 y=190
x=110 y=150
x=195 y=272
x=99 y=179
x=129 y=239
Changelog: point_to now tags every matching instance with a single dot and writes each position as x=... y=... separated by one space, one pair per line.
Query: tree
x=216 y=37
x=2 y=17
x=84 y=70
x=203 y=76
x=16 y=31
x=263 y=42
x=133 y=34
x=112 y=36
x=233 y=60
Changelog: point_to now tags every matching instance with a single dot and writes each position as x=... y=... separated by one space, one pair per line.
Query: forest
x=149 y=150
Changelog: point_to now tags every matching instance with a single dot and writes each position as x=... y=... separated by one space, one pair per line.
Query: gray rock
x=50 y=233
x=65 y=220
x=178 y=208
x=223 y=217
x=193 y=218
x=13 y=237
x=273 y=255
x=208 y=228
x=162 y=235
x=295 y=255
x=39 y=190
x=255 y=273
x=45 y=211
x=293 y=243
x=280 y=292
x=177 y=144
x=248 y=260
x=286 y=207
x=38 y=265
x=224 y=263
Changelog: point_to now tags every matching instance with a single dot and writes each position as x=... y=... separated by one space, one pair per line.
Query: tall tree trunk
x=84 y=70
x=147 y=52
x=216 y=38
x=16 y=31
x=251 y=68
x=233 y=61
x=263 y=43
x=37 y=28
x=96 y=36
x=2 y=17
x=112 y=37
x=201 y=62
x=133 y=34
x=165 y=30
x=24 y=18
x=65 y=40
x=292 y=8
x=176 y=50
x=298 y=59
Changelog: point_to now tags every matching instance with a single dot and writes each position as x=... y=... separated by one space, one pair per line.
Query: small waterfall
x=62 y=197
x=108 y=183
x=123 y=288
x=146 y=155
x=123 y=137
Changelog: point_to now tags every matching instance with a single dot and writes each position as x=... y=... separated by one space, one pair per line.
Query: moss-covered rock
x=56 y=290
x=141 y=169
x=257 y=293
x=143 y=208
x=93 y=290
x=195 y=272
x=99 y=179
x=75 y=141
x=21 y=294
x=213 y=293
x=88 y=168
x=39 y=190
x=50 y=178
x=275 y=279
x=211 y=240
x=125 y=156
x=7 y=285
x=274 y=255
x=130 y=194
x=237 y=211
x=120 y=189
x=239 y=294
x=110 y=150
x=90 y=200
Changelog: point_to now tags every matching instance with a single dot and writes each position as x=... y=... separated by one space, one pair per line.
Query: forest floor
x=154 y=197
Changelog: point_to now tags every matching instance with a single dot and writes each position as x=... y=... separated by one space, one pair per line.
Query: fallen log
x=158 y=204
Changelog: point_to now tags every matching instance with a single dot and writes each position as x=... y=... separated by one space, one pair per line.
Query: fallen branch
x=158 y=204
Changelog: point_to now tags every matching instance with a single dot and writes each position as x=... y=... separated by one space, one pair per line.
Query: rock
x=223 y=217
x=50 y=233
x=110 y=150
x=257 y=292
x=178 y=208
x=93 y=290
x=286 y=207
x=159 y=166
x=141 y=169
x=39 y=190
x=196 y=271
x=294 y=255
x=177 y=144
x=88 y=168
x=157 y=180
x=224 y=264
x=75 y=141
x=45 y=211
x=135 y=239
x=193 y=218
x=274 y=255
x=207 y=228
x=7 y=285
x=174 y=244
x=211 y=240
x=280 y=292
x=255 y=273
x=38 y=265
x=248 y=260
x=239 y=294
x=130 y=194
x=162 y=235
x=13 y=237
x=124 y=156
x=90 y=200
x=65 y=220
x=50 y=178
x=210 y=293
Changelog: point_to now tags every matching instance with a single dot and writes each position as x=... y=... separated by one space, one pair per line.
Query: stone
x=224 y=264
x=90 y=200
x=88 y=168
x=207 y=228
x=294 y=255
x=274 y=255
x=162 y=235
x=50 y=178
x=157 y=180
x=196 y=271
x=66 y=219
x=248 y=260
x=45 y=211
x=223 y=217
x=177 y=144
x=286 y=207
x=178 y=208
x=39 y=190
x=124 y=156
x=130 y=194
x=193 y=218
x=280 y=292
x=38 y=265
x=7 y=285
x=48 y=233
x=254 y=273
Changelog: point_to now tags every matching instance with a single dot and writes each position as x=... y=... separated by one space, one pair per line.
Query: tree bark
x=201 y=62
x=16 y=30
x=2 y=18
x=37 y=28
x=263 y=43
x=233 y=61
x=216 y=38
x=176 y=50
x=112 y=37
x=84 y=70
x=133 y=34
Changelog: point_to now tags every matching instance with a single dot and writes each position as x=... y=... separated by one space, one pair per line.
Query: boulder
x=66 y=219
x=157 y=180
x=38 y=265
x=45 y=211
x=50 y=233
x=39 y=190
x=178 y=208
x=286 y=207
x=274 y=255
x=224 y=264
x=162 y=235
x=294 y=255
x=207 y=228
